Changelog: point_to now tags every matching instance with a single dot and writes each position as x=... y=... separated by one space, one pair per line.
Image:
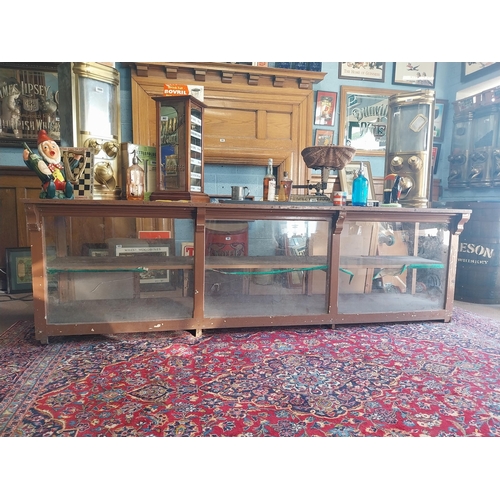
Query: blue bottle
x=360 y=188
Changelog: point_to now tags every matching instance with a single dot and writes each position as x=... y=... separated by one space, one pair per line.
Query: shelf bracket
x=279 y=81
x=253 y=79
x=227 y=77
x=142 y=69
x=200 y=75
x=171 y=72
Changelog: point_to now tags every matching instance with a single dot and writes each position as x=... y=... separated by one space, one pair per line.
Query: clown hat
x=42 y=137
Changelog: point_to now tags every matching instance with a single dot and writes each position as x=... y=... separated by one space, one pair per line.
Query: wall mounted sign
x=29 y=96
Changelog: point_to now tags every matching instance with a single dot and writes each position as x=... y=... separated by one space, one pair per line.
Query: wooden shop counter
x=302 y=264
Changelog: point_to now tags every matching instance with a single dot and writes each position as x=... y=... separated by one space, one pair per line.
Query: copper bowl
x=332 y=157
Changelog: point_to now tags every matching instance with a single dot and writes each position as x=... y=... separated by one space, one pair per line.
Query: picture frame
x=19 y=273
x=347 y=175
x=421 y=74
x=323 y=137
x=436 y=149
x=366 y=71
x=440 y=112
x=326 y=107
x=30 y=103
x=472 y=70
x=363 y=112
x=150 y=280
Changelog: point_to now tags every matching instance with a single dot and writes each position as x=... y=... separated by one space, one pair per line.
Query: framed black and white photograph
x=420 y=74
x=368 y=71
x=350 y=172
x=18 y=266
x=472 y=70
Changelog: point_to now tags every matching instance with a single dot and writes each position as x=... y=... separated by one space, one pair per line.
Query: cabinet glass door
x=392 y=267
x=267 y=268
x=106 y=270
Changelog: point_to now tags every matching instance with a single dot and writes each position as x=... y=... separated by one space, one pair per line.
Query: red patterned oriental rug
x=410 y=379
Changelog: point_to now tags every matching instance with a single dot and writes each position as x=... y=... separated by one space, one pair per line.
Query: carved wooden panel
x=253 y=113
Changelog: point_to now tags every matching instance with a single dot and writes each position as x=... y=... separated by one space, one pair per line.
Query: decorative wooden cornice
x=241 y=74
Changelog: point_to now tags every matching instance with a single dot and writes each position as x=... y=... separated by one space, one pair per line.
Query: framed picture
x=349 y=172
x=30 y=103
x=151 y=279
x=471 y=70
x=436 y=149
x=363 y=119
x=323 y=137
x=326 y=105
x=439 y=118
x=19 y=275
x=421 y=74
x=369 y=71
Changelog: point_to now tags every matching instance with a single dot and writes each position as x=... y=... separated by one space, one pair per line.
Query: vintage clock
x=410 y=130
x=180 y=167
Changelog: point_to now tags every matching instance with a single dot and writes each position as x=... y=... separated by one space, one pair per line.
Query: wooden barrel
x=478 y=266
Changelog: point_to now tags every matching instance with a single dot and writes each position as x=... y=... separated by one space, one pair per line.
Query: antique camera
x=89 y=103
x=410 y=129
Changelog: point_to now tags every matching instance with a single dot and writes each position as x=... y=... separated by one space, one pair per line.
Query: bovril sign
x=478 y=253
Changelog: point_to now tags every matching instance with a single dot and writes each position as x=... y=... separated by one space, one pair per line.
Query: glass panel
x=483 y=129
x=172 y=152
x=98 y=107
x=460 y=138
x=409 y=128
x=392 y=267
x=266 y=268
x=109 y=270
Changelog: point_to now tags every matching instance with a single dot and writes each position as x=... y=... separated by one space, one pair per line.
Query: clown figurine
x=49 y=168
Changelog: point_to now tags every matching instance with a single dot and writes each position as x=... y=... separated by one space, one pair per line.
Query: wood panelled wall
x=16 y=183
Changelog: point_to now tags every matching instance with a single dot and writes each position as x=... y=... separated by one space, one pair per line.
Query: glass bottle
x=269 y=184
x=285 y=187
x=281 y=192
x=360 y=188
x=135 y=180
